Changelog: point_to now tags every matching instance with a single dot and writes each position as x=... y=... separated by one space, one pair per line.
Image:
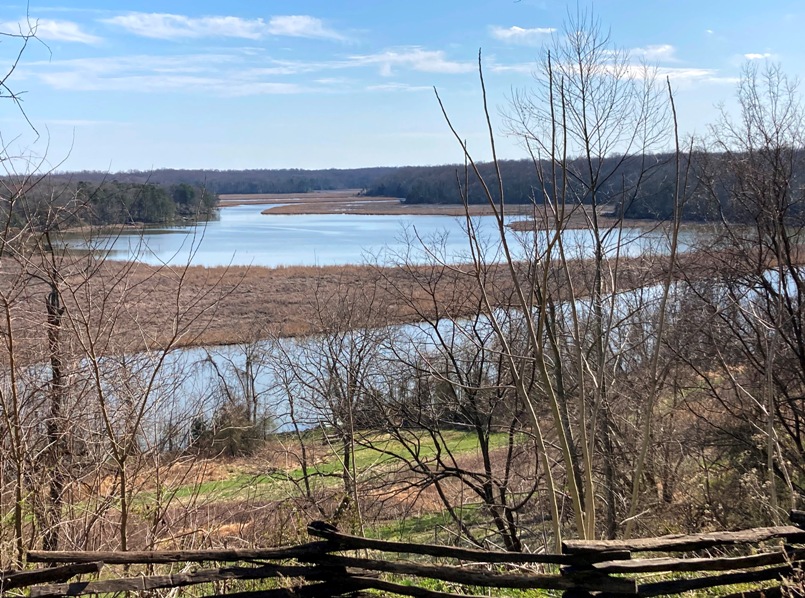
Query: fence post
x=568 y=571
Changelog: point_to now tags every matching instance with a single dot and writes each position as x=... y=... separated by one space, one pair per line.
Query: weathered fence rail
x=320 y=569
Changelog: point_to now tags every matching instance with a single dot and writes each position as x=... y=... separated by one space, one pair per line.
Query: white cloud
x=214 y=73
x=332 y=81
x=633 y=70
x=414 y=58
x=301 y=26
x=398 y=87
x=520 y=35
x=281 y=69
x=686 y=73
x=172 y=26
x=164 y=82
x=233 y=72
x=239 y=88
x=681 y=74
x=753 y=56
x=50 y=30
x=114 y=65
x=659 y=52
x=523 y=68
x=644 y=72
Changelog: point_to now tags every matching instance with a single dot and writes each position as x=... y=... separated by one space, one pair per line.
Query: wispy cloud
x=50 y=30
x=520 y=35
x=167 y=83
x=398 y=87
x=755 y=56
x=332 y=81
x=149 y=73
x=523 y=68
x=635 y=69
x=679 y=74
x=115 y=65
x=414 y=58
x=687 y=73
x=170 y=26
x=658 y=52
x=302 y=26
x=173 y=26
x=230 y=72
x=682 y=75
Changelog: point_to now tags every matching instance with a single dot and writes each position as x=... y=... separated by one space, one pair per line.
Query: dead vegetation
x=349 y=201
x=242 y=304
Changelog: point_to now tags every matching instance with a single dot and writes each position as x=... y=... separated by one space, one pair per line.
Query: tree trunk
x=56 y=445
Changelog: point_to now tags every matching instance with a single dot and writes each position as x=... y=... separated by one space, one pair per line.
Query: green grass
x=372 y=454
x=231 y=488
x=437 y=585
x=371 y=451
x=424 y=528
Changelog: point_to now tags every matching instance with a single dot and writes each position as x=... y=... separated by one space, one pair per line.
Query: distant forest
x=631 y=186
x=127 y=203
x=220 y=182
x=110 y=202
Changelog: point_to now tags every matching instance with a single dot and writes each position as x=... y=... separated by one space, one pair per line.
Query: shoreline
x=242 y=304
x=349 y=201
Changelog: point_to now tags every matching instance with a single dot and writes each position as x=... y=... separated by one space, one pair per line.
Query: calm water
x=195 y=378
x=244 y=236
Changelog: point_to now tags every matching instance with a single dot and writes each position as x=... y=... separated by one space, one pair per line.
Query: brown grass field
x=132 y=306
x=349 y=201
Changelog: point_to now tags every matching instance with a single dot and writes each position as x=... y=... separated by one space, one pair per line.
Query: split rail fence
x=771 y=556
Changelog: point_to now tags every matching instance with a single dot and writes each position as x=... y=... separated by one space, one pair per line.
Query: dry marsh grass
x=120 y=306
x=350 y=201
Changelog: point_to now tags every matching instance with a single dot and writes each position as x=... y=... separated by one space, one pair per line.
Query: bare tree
x=328 y=378
x=592 y=114
x=753 y=177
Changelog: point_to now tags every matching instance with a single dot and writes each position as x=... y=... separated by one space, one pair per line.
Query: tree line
x=645 y=189
x=166 y=194
x=106 y=203
x=289 y=180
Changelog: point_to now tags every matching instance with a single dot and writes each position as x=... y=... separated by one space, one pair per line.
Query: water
x=199 y=379
x=203 y=379
x=244 y=236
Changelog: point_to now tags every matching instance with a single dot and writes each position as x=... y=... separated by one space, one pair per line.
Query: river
x=199 y=380
x=244 y=236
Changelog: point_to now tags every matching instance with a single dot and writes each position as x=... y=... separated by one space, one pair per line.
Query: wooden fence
x=321 y=569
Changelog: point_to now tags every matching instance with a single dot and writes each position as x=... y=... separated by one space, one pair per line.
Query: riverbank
x=349 y=201
x=122 y=307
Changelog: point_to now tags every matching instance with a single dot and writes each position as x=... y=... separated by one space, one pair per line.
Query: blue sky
x=333 y=83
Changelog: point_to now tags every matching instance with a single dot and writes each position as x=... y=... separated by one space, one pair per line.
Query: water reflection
x=244 y=236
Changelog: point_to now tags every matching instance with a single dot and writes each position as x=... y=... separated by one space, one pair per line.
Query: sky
x=125 y=85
